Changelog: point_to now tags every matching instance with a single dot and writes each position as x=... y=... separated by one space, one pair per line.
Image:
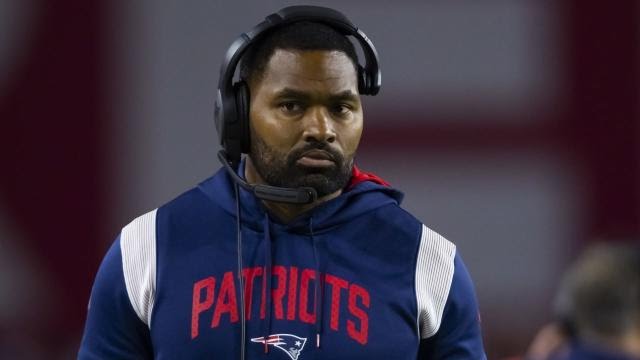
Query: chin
x=323 y=184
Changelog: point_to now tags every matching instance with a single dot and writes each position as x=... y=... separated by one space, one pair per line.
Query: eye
x=291 y=107
x=341 y=109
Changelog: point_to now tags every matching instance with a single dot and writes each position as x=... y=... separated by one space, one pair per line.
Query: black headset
x=232 y=102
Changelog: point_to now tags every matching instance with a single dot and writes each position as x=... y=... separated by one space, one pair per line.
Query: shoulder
x=434 y=262
x=435 y=267
x=139 y=245
x=142 y=239
x=398 y=220
x=448 y=315
x=138 y=249
x=117 y=324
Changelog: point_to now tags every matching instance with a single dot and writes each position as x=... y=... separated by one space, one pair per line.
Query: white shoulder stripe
x=434 y=274
x=138 y=248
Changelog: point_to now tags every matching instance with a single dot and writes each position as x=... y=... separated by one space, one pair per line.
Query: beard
x=281 y=169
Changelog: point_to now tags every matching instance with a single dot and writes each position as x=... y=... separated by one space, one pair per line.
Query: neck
x=283 y=211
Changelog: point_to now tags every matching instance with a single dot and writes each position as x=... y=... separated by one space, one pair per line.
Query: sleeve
x=113 y=330
x=459 y=335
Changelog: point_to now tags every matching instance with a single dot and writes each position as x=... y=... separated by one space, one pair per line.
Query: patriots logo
x=290 y=344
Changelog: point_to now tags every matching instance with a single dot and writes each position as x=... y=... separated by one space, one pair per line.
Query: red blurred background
x=81 y=97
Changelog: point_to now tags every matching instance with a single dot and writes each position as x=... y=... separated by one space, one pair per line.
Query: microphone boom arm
x=302 y=195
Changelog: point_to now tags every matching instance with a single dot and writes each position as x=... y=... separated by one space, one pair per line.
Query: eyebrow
x=347 y=95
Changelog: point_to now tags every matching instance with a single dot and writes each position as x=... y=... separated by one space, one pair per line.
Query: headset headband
x=292 y=14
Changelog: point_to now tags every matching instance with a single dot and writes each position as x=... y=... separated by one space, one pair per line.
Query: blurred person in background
x=597 y=307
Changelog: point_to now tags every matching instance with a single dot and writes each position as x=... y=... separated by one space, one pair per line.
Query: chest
x=353 y=292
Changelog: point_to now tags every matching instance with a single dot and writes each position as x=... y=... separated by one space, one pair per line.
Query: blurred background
x=513 y=127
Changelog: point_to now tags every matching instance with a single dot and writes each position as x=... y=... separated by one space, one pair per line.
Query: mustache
x=296 y=154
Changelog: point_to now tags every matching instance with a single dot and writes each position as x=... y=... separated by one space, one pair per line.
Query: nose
x=319 y=126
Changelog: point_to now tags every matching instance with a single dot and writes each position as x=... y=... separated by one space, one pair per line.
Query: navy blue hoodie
x=356 y=277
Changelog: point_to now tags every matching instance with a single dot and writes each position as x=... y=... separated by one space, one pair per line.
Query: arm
x=459 y=335
x=113 y=330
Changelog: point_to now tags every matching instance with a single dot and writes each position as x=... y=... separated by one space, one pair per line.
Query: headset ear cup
x=363 y=81
x=241 y=90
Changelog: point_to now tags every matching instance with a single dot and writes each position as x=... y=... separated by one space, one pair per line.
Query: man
x=227 y=271
x=598 y=309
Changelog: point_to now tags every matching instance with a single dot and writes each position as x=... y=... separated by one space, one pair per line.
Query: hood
x=365 y=192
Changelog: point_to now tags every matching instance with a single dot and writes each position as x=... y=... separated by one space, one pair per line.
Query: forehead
x=309 y=70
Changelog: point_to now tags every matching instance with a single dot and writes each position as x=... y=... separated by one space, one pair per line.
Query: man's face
x=306 y=120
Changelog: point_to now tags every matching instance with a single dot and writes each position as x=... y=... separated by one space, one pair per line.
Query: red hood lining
x=358 y=176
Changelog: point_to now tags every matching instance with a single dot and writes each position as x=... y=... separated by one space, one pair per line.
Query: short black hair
x=303 y=35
